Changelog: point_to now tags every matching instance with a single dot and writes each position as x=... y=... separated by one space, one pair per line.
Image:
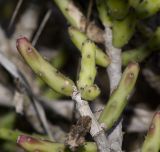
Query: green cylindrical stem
x=90 y=92
x=147 y=8
x=78 y=38
x=88 y=67
x=152 y=140
x=76 y=19
x=103 y=14
x=9 y=135
x=51 y=94
x=123 y=30
x=136 y=55
x=140 y=53
x=43 y=69
x=47 y=92
x=31 y=144
x=117 y=9
x=12 y=135
x=72 y=15
x=88 y=72
x=118 y=99
x=57 y=61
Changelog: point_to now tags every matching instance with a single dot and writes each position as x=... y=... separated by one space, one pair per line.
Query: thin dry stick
x=114 y=73
x=89 y=11
x=96 y=130
x=26 y=24
x=41 y=27
x=15 y=13
x=24 y=87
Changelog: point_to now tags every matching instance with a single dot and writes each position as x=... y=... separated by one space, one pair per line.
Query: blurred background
x=45 y=26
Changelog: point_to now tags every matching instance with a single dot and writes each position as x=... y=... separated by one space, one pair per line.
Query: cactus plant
x=48 y=73
x=78 y=38
x=88 y=71
x=122 y=33
x=119 y=97
x=123 y=30
x=117 y=9
x=31 y=144
x=152 y=140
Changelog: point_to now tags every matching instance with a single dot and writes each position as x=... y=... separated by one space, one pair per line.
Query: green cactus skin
x=118 y=99
x=71 y=18
x=152 y=140
x=88 y=67
x=140 y=53
x=88 y=72
x=76 y=19
x=43 y=69
x=90 y=92
x=117 y=9
x=31 y=144
x=103 y=14
x=12 y=135
x=51 y=94
x=47 y=92
x=147 y=8
x=123 y=30
x=9 y=135
x=57 y=61
x=78 y=38
x=137 y=55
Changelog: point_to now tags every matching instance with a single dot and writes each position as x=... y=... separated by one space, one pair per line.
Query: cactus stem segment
x=38 y=145
x=152 y=140
x=88 y=72
x=43 y=69
x=119 y=97
x=78 y=38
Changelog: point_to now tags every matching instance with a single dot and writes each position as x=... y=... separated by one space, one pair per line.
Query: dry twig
x=96 y=130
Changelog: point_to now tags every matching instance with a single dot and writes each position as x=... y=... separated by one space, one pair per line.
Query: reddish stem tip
x=21 y=139
x=21 y=40
x=26 y=139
